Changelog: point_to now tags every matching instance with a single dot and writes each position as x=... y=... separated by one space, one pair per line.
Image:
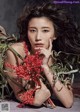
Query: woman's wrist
x=50 y=76
x=45 y=66
x=52 y=79
x=46 y=69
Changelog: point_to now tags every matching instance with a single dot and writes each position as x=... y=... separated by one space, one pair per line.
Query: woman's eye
x=32 y=30
x=45 y=30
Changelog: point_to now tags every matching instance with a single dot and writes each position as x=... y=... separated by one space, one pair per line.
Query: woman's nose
x=38 y=36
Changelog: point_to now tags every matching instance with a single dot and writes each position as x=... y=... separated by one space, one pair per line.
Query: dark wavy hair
x=66 y=30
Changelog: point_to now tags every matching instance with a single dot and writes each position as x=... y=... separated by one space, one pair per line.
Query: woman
x=44 y=28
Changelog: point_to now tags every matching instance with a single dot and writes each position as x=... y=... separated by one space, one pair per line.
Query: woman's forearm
x=41 y=95
x=62 y=92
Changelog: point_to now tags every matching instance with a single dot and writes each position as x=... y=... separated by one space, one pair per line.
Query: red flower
x=27 y=97
x=30 y=69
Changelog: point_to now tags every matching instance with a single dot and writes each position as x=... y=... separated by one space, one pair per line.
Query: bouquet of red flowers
x=31 y=71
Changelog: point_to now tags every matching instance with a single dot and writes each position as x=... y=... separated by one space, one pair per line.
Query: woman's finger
x=42 y=51
x=50 y=44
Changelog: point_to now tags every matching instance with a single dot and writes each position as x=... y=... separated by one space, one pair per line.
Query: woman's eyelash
x=45 y=30
x=32 y=30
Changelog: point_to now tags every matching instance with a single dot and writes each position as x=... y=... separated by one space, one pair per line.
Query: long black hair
x=66 y=30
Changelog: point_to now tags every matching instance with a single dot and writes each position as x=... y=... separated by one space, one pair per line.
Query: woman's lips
x=39 y=45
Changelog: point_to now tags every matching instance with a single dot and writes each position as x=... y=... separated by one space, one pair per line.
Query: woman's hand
x=46 y=53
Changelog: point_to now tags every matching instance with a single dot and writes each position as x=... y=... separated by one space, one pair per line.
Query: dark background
x=10 y=10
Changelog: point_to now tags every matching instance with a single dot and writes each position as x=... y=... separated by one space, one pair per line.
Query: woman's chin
x=38 y=50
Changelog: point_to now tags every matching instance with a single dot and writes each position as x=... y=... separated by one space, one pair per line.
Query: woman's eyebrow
x=45 y=27
x=41 y=27
x=32 y=27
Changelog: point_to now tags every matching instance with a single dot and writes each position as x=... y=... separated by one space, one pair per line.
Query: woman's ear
x=54 y=38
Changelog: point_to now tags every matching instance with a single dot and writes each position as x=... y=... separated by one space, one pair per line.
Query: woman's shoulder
x=17 y=47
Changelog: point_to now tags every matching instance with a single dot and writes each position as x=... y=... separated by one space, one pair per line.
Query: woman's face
x=40 y=31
